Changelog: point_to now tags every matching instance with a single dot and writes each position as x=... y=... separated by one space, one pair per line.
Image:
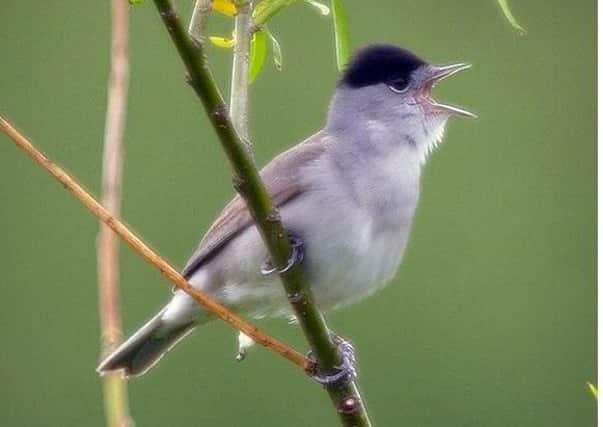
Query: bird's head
x=390 y=86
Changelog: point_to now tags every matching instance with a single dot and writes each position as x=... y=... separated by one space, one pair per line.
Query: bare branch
x=196 y=28
x=114 y=387
x=239 y=86
x=148 y=254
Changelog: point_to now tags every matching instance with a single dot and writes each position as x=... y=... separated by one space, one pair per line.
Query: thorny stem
x=345 y=396
x=148 y=254
x=114 y=387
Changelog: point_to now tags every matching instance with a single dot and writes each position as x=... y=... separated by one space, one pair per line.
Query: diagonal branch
x=345 y=395
x=148 y=254
x=114 y=387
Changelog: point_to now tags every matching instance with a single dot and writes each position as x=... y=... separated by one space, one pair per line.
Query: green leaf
x=222 y=42
x=593 y=389
x=322 y=8
x=340 y=25
x=277 y=54
x=504 y=5
x=135 y=1
x=257 y=54
x=266 y=9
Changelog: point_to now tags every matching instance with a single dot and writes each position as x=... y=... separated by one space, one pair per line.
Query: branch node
x=238 y=182
x=295 y=297
x=221 y=118
x=273 y=216
x=349 y=405
x=168 y=13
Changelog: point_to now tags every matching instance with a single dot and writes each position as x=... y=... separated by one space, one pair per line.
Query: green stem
x=345 y=396
x=116 y=401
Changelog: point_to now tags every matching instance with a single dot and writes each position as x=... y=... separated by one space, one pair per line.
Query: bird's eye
x=398 y=85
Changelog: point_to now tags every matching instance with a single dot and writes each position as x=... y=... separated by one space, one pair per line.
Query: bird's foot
x=297 y=256
x=245 y=343
x=344 y=373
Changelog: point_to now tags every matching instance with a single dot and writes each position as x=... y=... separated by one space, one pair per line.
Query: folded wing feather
x=283 y=184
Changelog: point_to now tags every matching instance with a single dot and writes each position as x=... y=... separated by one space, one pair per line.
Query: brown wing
x=281 y=179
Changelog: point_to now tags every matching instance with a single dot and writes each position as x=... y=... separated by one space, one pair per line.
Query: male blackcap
x=347 y=193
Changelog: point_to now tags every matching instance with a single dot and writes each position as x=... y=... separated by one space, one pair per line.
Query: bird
x=347 y=195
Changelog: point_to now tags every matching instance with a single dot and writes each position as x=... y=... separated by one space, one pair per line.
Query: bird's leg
x=344 y=373
x=297 y=256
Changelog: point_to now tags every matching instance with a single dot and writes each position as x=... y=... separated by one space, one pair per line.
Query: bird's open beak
x=436 y=73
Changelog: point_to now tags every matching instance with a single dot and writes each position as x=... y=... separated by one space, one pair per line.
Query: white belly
x=350 y=252
x=343 y=263
x=349 y=262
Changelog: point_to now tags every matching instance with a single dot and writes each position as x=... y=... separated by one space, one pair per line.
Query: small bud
x=223 y=42
x=225 y=7
x=593 y=390
x=349 y=405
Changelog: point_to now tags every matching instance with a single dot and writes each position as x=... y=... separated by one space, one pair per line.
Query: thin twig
x=345 y=395
x=196 y=27
x=239 y=89
x=239 y=85
x=148 y=254
x=115 y=390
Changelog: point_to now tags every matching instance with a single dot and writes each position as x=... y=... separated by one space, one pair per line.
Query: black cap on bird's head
x=400 y=69
x=380 y=63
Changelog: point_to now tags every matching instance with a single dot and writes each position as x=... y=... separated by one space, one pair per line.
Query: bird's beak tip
x=441 y=72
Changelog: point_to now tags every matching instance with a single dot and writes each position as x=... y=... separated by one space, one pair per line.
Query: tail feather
x=145 y=348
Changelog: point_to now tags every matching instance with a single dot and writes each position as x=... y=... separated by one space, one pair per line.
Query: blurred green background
x=491 y=320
